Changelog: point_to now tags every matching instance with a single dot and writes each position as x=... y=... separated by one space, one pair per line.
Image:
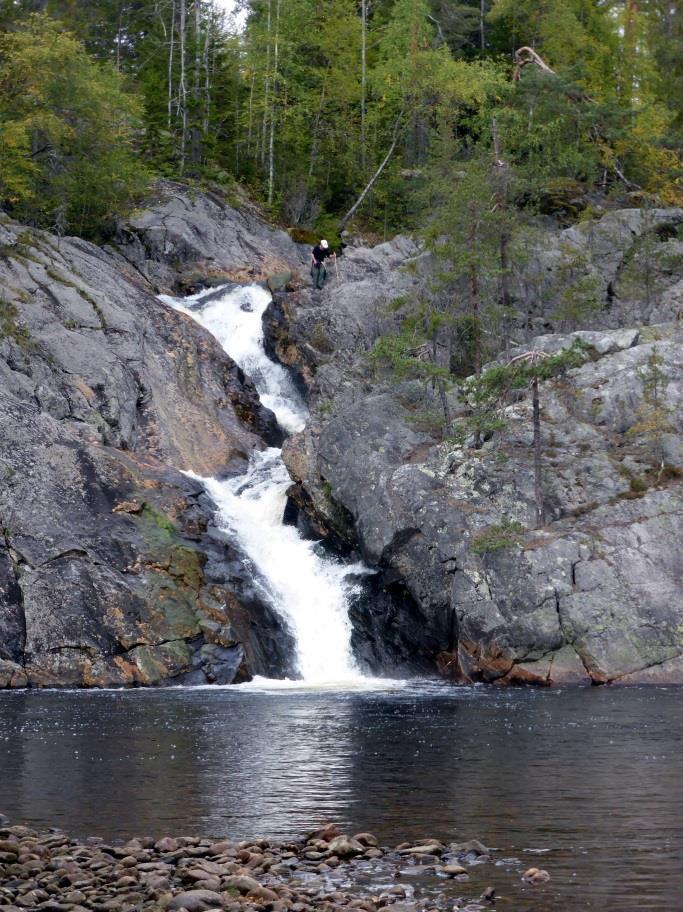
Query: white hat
x=323 y=244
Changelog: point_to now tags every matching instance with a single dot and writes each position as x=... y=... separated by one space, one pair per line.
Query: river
x=587 y=783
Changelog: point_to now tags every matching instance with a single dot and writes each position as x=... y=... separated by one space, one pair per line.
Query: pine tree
x=490 y=390
x=653 y=416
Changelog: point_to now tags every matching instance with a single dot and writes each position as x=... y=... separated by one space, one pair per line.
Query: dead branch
x=526 y=55
x=371 y=183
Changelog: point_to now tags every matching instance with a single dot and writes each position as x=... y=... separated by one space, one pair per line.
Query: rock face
x=623 y=269
x=111 y=571
x=464 y=584
x=184 y=240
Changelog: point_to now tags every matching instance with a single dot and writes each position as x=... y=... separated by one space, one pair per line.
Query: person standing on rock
x=319 y=254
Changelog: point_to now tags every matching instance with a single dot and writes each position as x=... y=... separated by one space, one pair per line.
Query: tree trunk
x=375 y=177
x=251 y=114
x=182 y=88
x=482 y=26
x=196 y=103
x=316 y=127
x=538 y=483
x=170 y=65
x=505 y=296
x=526 y=55
x=266 y=88
x=271 y=144
x=363 y=78
x=118 y=38
x=441 y=386
x=207 y=70
x=630 y=50
x=502 y=207
x=476 y=320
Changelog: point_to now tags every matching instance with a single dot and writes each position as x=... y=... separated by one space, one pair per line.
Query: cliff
x=465 y=584
x=111 y=571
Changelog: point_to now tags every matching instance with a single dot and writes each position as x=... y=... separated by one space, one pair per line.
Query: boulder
x=345 y=847
x=195 y=901
x=431 y=848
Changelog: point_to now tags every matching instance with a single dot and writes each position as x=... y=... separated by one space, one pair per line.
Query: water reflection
x=593 y=777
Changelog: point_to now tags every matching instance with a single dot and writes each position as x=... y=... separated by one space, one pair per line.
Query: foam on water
x=309 y=589
x=235 y=319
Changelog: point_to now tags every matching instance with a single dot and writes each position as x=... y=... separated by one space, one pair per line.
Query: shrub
x=497 y=537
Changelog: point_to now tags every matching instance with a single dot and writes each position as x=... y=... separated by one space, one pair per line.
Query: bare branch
x=440 y=38
x=526 y=55
x=373 y=180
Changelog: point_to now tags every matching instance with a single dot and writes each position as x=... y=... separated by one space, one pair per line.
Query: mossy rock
x=11 y=329
x=303 y=236
x=279 y=280
x=157 y=663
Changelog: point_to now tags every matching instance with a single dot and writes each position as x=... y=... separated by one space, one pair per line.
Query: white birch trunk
x=170 y=66
x=271 y=145
x=207 y=70
x=182 y=89
x=196 y=77
x=250 y=123
x=266 y=88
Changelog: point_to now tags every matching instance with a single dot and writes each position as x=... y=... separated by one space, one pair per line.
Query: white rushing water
x=310 y=590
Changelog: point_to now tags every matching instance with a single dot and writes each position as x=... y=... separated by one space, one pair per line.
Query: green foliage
x=11 y=329
x=413 y=351
x=651 y=262
x=497 y=537
x=581 y=289
x=291 y=107
x=638 y=485
x=69 y=128
x=319 y=339
x=480 y=424
x=494 y=384
x=653 y=416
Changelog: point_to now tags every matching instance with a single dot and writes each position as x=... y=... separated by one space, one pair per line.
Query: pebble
x=535 y=876
x=453 y=869
x=327 y=871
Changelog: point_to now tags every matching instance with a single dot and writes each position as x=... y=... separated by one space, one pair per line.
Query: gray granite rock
x=184 y=240
x=595 y=596
x=110 y=570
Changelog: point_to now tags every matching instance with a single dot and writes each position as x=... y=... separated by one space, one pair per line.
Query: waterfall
x=308 y=589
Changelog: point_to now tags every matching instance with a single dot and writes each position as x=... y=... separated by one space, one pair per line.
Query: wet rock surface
x=50 y=871
x=111 y=571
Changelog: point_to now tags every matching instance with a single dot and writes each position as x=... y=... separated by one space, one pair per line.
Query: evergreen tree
x=67 y=126
x=653 y=417
x=489 y=392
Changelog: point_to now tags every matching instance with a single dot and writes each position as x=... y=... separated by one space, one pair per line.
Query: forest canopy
x=317 y=104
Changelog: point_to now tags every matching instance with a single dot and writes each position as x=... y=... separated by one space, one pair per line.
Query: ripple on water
x=585 y=783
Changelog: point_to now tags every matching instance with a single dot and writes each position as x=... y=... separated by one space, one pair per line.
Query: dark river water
x=586 y=783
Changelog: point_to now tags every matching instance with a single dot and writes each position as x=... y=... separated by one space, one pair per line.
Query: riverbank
x=324 y=870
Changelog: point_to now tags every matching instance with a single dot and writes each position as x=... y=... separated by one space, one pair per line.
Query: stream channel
x=586 y=783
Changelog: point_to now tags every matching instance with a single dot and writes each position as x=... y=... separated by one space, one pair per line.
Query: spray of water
x=310 y=590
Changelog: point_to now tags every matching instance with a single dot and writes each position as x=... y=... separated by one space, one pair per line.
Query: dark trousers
x=318 y=274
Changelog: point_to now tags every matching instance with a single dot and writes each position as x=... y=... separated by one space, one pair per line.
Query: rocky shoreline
x=324 y=870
